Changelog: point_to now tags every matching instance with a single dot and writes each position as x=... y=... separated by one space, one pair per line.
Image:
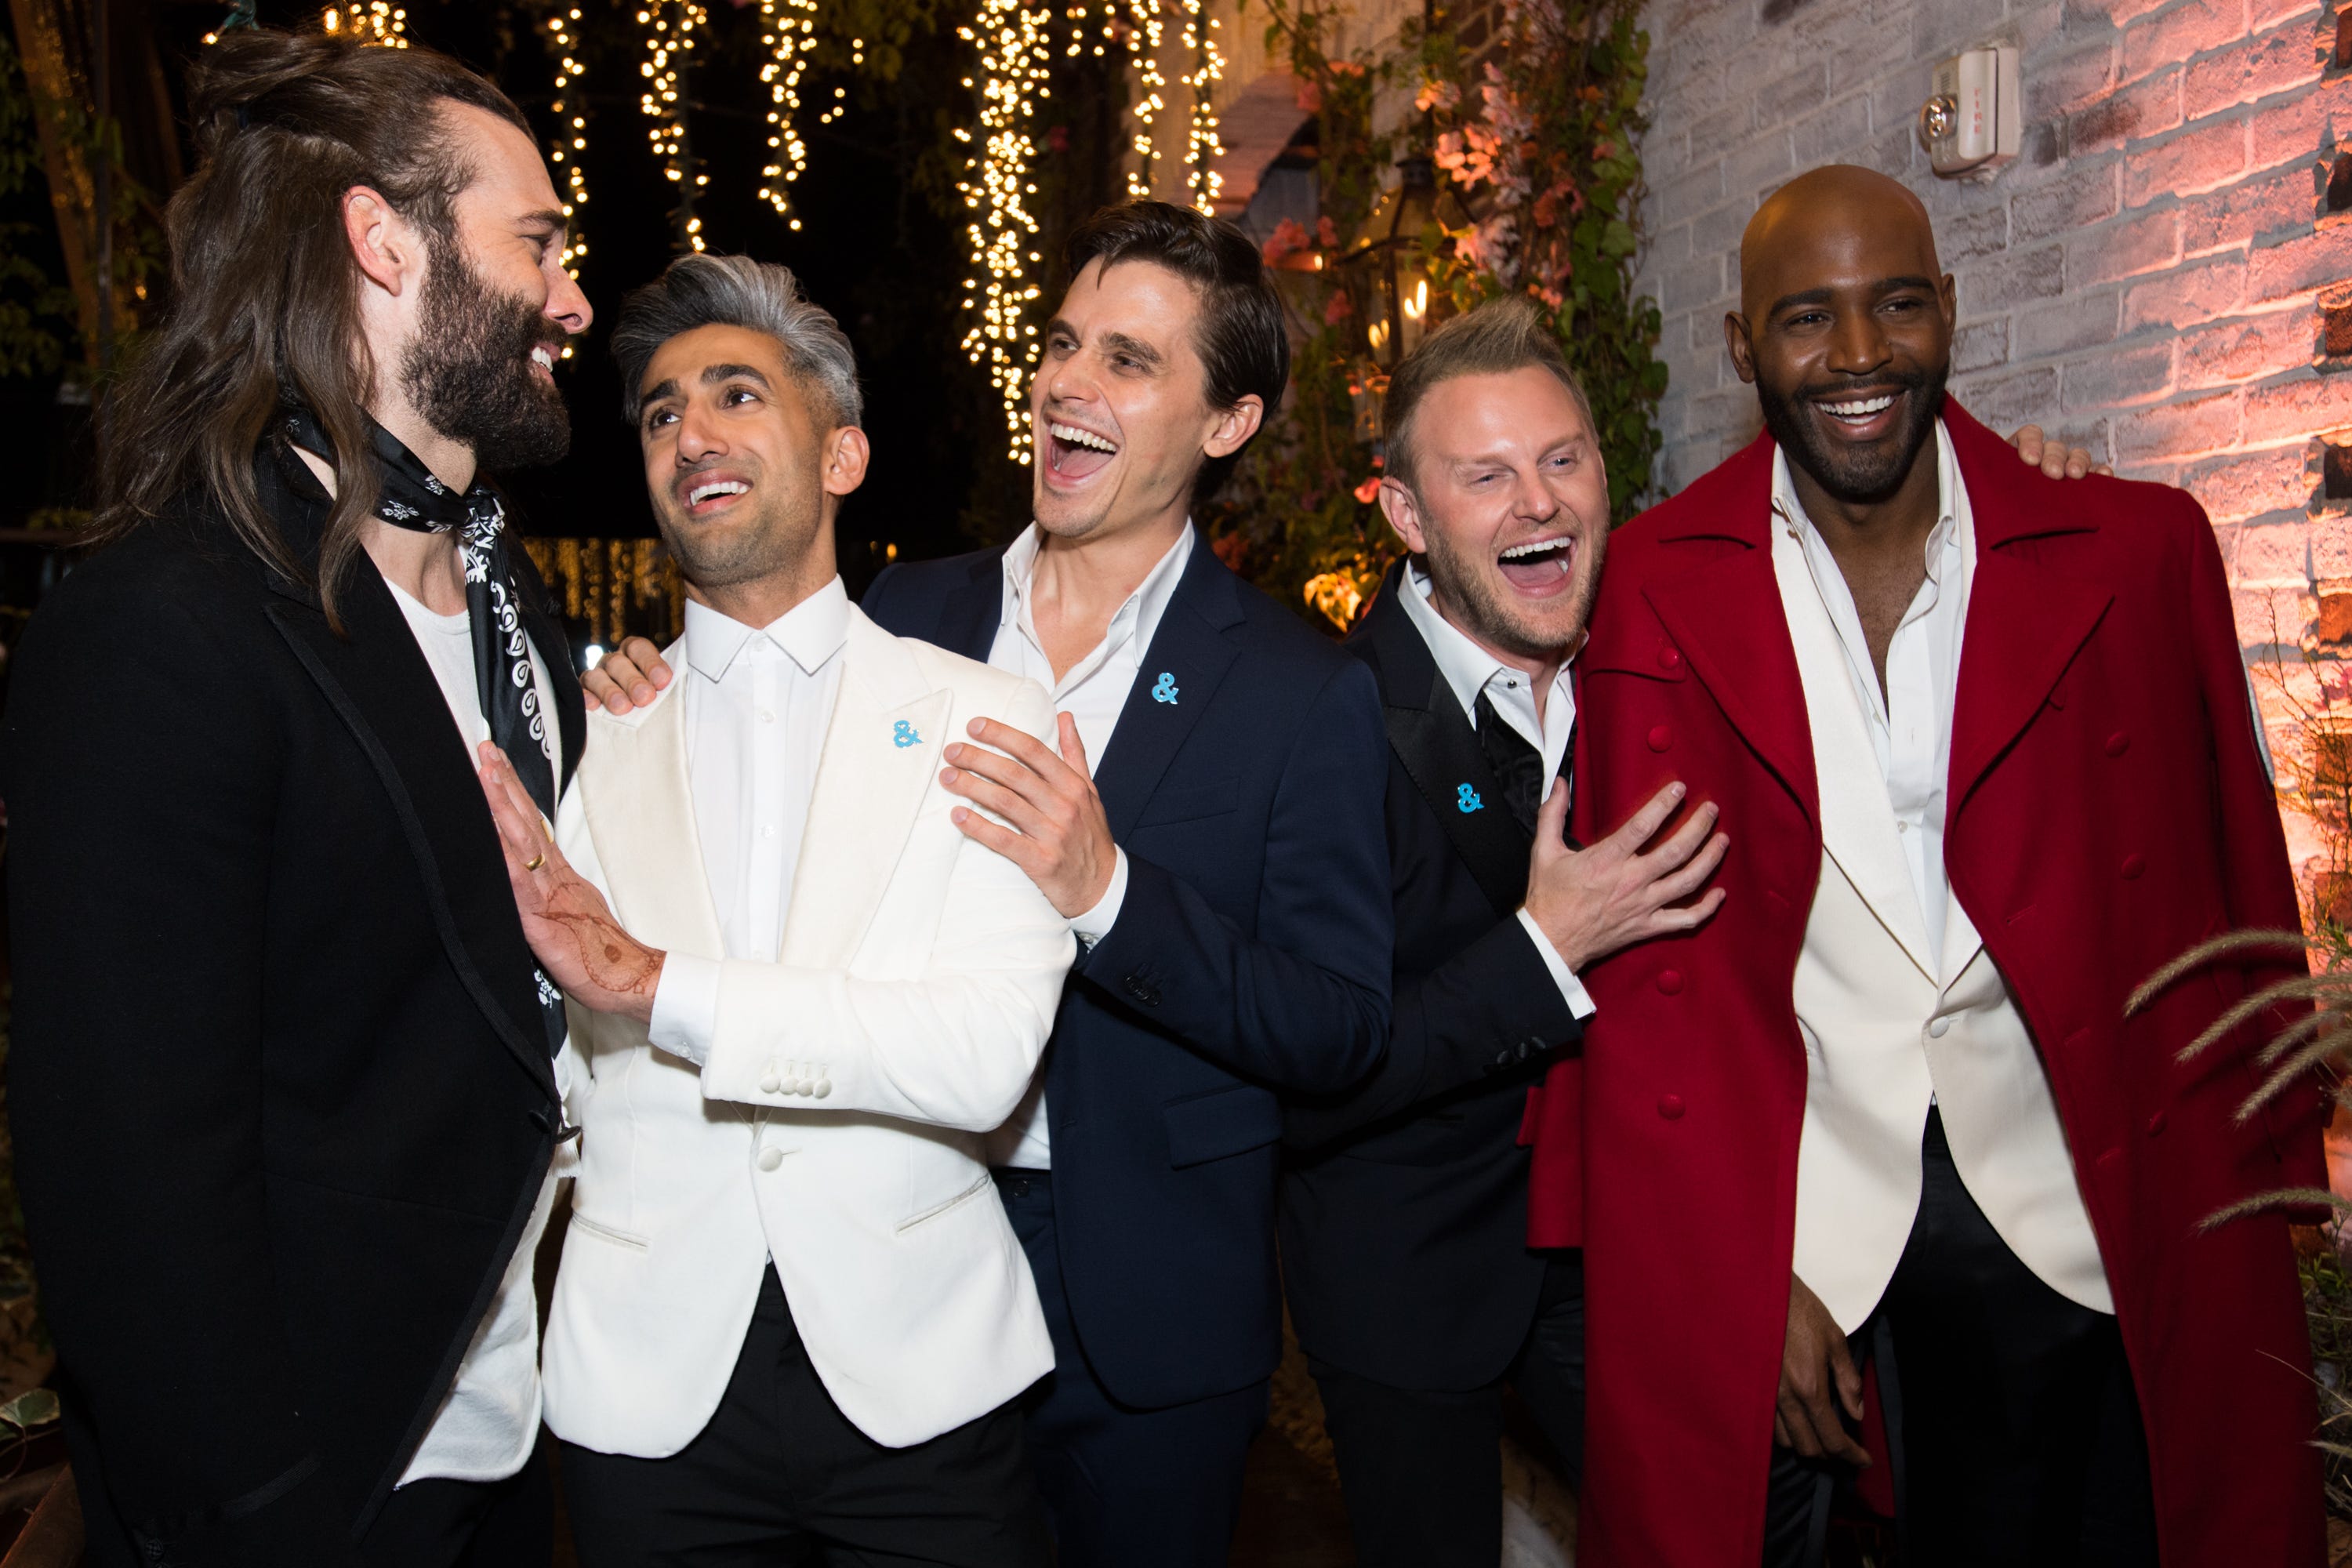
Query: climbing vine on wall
x=1530 y=110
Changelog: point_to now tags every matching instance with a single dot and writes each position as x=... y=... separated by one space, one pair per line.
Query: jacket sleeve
x=1492 y=1007
x=2257 y=880
x=1303 y=1003
x=956 y=1047
x=138 y=886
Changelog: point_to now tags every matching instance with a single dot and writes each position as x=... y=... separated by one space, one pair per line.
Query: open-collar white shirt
x=1910 y=722
x=1094 y=692
x=757 y=703
x=1469 y=672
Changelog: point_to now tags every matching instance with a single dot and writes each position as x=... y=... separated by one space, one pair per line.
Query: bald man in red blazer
x=2106 y=808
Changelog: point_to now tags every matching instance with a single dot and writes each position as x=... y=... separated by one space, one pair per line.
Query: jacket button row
x=771 y=1158
x=813 y=1088
x=1670 y=1106
x=2132 y=866
x=1142 y=993
x=1661 y=738
x=1670 y=982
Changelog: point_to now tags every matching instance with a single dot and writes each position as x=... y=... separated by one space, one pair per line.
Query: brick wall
x=2151 y=278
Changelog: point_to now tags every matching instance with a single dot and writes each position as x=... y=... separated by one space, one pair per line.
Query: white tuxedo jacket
x=1891 y=1029
x=836 y=1124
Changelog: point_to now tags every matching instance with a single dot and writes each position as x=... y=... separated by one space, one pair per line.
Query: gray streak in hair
x=706 y=290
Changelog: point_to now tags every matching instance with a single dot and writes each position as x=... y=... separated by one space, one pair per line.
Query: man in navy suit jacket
x=1224 y=869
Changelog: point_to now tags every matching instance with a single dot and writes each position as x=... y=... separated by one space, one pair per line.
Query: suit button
x=824 y=1087
x=2156 y=1125
x=769 y=1084
x=2132 y=866
x=1939 y=1028
x=1670 y=1106
x=1670 y=658
x=771 y=1158
x=1670 y=982
x=2111 y=1159
x=1661 y=738
x=1140 y=990
x=2119 y=743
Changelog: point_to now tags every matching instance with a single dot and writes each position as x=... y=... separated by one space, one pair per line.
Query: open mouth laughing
x=1538 y=567
x=1073 y=452
x=706 y=495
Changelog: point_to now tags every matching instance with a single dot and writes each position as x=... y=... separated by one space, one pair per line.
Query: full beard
x=469 y=370
x=1855 y=476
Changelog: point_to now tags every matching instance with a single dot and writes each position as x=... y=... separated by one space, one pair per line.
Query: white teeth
x=1861 y=410
x=1077 y=438
x=541 y=356
x=1534 y=547
x=701 y=494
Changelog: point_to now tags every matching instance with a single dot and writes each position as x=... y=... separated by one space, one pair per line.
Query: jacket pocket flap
x=1189 y=804
x=1221 y=1122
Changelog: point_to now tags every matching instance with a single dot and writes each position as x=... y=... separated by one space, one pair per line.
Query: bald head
x=1844 y=327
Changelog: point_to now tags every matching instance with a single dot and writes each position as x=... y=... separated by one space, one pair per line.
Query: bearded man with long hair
x=287 y=1116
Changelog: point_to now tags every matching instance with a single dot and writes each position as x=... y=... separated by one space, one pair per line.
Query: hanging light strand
x=571 y=151
x=377 y=22
x=787 y=31
x=1015 y=55
x=670 y=26
x=1146 y=28
x=1202 y=146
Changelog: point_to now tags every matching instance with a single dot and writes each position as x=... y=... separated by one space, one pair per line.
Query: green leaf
x=33 y=1407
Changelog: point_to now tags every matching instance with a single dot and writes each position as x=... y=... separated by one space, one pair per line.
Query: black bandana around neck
x=408 y=496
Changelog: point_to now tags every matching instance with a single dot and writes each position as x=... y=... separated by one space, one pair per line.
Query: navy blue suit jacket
x=1251 y=956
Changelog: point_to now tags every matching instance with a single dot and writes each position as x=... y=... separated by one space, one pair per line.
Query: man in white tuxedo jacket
x=799 y=996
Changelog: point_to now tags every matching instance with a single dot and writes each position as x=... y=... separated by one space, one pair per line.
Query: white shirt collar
x=1137 y=619
x=810 y=632
x=1469 y=669
x=1950 y=533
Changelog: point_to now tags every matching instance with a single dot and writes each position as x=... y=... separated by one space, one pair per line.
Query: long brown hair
x=265 y=290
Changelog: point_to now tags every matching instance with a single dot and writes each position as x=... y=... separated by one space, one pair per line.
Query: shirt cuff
x=1572 y=989
x=1095 y=924
x=685 y=1006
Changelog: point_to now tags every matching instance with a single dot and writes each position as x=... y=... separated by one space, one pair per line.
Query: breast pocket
x=1189 y=805
x=1219 y=1124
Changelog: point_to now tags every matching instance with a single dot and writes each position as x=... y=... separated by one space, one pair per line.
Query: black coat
x=1404 y=1204
x=1250 y=958
x=281 y=1088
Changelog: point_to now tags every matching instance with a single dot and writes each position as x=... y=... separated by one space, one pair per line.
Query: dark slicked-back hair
x=1496 y=339
x=1240 y=338
x=265 y=290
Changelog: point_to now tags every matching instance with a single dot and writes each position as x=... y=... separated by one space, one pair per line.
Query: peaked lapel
x=377 y=679
x=1439 y=748
x=972 y=610
x=639 y=805
x=1726 y=618
x=2025 y=624
x=1192 y=648
x=868 y=790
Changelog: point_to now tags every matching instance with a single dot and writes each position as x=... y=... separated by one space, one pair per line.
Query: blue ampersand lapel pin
x=1467 y=799
x=1165 y=690
x=902 y=734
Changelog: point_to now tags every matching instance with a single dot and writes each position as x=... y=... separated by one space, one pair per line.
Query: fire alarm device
x=1972 y=120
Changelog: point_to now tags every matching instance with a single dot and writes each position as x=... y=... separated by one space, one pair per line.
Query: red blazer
x=2107 y=812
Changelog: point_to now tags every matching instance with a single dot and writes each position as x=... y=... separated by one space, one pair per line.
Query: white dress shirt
x=489 y=1418
x=756 y=704
x=1469 y=671
x=1910 y=724
x=1094 y=692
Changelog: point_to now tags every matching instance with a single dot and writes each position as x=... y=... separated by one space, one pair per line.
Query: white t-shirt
x=488 y=1421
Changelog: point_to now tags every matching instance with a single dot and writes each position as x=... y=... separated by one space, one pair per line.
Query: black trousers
x=468 y=1524
x=2016 y=1435
x=1126 y=1488
x=1421 y=1469
x=780 y=1476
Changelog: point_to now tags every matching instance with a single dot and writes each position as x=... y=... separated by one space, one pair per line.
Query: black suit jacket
x=1251 y=957
x=1404 y=1206
x=279 y=1083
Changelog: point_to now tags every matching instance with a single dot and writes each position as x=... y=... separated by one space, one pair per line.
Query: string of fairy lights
x=1013 y=39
